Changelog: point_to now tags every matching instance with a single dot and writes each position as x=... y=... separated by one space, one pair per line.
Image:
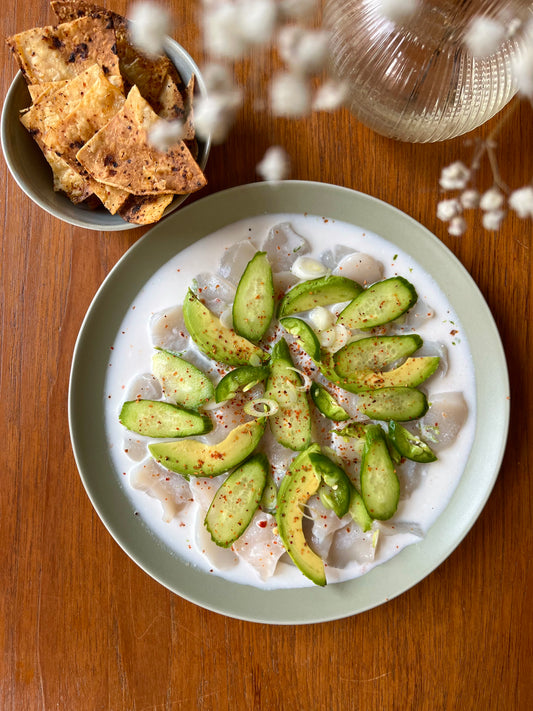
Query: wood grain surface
x=83 y=628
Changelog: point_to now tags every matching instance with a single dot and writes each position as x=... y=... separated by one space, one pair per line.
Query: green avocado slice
x=299 y=483
x=408 y=375
x=216 y=340
x=193 y=458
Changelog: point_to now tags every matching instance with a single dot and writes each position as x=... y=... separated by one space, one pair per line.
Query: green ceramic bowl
x=104 y=485
x=33 y=175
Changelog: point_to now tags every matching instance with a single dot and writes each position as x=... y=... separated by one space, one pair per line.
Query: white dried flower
x=298 y=9
x=330 y=96
x=214 y=114
x=457 y=226
x=522 y=68
x=275 y=164
x=257 y=20
x=149 y=24
x=398 y=11
x=447 y=209
x=218 y=79
x=492 y=219
x=222 y=35
x=521 y=201
x=491 y=200
x=164 y=134
x=484 y=36
x=304 y=51
x=469 y=198
x=454 y=176
x=290 y=96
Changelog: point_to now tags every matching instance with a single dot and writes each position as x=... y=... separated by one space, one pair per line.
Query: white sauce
x=132 y=352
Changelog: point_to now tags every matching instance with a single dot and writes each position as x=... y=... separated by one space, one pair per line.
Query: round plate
x=86 y=404
x=33 y=174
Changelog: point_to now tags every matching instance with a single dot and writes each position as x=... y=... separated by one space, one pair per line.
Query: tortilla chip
x=63 y=120
x=145 y=210
x=66 y=179
x=39 y=91
x=53 y=107
x=137 y=69
x=52 y=53
x=172 y=105
x=121 y=155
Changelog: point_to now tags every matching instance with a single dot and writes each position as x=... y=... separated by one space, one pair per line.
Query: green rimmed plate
x=86 y=404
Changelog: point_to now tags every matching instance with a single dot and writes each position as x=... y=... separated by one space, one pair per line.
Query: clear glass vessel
x=415 y=80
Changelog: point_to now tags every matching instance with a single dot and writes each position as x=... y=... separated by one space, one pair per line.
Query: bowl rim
x=110 y=223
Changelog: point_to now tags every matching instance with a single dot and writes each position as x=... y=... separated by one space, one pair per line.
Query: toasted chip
x=137 y=69
x=50 y=53
x=39 y=91
x=144 y=210
x=63 y=120
x=121 y=155
x=172 y=105
x=66 y=179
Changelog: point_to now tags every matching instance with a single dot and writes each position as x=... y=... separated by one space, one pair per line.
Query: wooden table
x=82 y=627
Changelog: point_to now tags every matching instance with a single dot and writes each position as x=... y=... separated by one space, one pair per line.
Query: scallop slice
x=360 y=267
x=204 y=488
x=325 y=521
x=143 y=387
x=280 y=457
x=171 y=489
x=235 y=259
x=219 y=558
x=409 y=474
x=283 y=282
x=399 y=528
x=260 y=545
x=214 y=291
x=351 y=543
x=330 y=258
x=167 y=330
x=443 y=421
x=283 y=246
x=135 y=448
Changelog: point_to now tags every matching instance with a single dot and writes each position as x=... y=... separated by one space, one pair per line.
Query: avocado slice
x=214 y=339
x=193 y=458
x=318 y=292
x=299 y=483
x=408 y=375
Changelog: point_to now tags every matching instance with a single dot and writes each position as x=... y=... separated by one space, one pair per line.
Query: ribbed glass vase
x=416 y=80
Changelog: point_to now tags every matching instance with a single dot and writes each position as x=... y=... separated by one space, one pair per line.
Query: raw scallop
x=260 y=545
x=172 y=490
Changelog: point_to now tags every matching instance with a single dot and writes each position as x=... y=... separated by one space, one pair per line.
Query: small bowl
x=33 y=175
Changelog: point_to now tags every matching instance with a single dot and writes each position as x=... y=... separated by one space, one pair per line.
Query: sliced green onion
x=307 y=382
x=250 y=408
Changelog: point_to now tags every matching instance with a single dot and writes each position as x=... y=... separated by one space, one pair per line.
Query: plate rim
x=309 y=598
